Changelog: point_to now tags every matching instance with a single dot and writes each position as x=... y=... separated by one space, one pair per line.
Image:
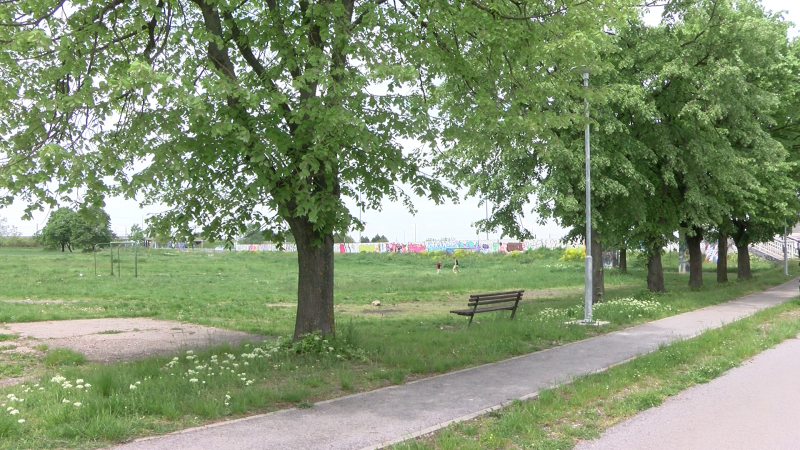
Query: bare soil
x=117 y=339
x=110 y=340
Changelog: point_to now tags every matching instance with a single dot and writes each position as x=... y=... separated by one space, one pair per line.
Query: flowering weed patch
x=623 y=310
x=137 y=398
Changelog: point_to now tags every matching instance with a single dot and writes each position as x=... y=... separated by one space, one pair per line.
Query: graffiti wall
x=710 y=251
x=446 y=246
x=610 y=258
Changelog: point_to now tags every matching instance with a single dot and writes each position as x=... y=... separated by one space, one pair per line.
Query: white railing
x=774 y=247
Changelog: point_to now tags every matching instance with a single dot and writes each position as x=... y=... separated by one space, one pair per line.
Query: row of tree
x=696 y=126
x=274 y=112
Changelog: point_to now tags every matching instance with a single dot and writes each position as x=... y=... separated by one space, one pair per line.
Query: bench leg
x=470 y=320
x=513 y=311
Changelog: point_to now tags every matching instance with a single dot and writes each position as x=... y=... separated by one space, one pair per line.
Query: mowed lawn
x=256 y=292
x=409 y=336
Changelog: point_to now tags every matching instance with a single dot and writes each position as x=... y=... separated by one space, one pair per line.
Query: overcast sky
x=431 y=221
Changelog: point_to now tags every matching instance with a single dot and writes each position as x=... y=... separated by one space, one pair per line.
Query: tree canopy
x=137 y=233
x=693 y=122
x=67 y=229
x=264 y=111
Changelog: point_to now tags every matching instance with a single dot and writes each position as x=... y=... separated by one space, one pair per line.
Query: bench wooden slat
x=468 y=312
x=489 y=298
x=491 y=294
x=499 y=300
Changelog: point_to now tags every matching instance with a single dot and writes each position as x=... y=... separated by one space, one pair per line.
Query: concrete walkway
x=374 y=419
x=754 y=406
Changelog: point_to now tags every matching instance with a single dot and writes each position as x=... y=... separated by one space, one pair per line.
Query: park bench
x=493 y=301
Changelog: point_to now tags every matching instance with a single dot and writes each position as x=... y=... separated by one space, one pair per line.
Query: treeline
x=694 y=133
x=20 y=241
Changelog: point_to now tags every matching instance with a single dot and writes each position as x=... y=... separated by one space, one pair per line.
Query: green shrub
x=460 y=253
x=19 y=241
x=573 y=254
x=544 y=253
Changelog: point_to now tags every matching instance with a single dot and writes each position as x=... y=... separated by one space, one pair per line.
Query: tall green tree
x=67 y=229
x=57 y=233
x=499 y=135
x=137 y=233
x=225 y=109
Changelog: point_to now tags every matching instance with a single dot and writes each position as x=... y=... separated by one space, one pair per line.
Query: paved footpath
x=378 y=418
x=753 y=406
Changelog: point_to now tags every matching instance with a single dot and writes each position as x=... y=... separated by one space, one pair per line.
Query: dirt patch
x=111 y=340
x=381 y=311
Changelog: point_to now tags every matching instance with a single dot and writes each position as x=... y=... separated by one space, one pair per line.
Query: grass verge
x=558 y=418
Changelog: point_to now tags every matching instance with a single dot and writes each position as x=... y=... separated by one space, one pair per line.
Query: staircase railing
x=774 y=248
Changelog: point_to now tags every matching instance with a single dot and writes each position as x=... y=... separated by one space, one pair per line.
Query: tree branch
x=497 y=14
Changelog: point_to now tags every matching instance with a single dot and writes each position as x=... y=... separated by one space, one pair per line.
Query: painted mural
x=446 y=246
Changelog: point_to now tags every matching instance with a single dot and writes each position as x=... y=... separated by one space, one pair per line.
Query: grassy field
x=257 y=291
x=411 y=335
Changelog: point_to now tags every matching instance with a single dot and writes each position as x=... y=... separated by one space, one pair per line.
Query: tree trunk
x=695 y=258
x=623 y=260
x=743 y=262
x=655 y=271
x=315 y=281
x=722 y=259
x=598 y=281
x=742 y=239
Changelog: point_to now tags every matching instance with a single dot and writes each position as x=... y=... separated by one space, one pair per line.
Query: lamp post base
x=590 y=323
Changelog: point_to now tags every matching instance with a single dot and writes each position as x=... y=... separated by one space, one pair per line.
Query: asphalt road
x=753 y=407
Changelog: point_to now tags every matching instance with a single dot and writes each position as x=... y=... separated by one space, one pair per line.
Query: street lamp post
x=785 y=252
x=587 y=317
